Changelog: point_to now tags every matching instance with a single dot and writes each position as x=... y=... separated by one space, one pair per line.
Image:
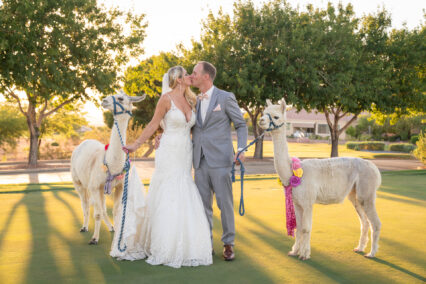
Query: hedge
x=402 y=147
x=368 y=145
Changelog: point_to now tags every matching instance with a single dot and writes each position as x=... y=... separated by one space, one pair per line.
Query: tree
x=245 y=52
x=53 y=52
x=146 y=78
x=12 y=125
x=406 y=50
x=323 y=59
x=366 y=128
x=403 y=125
x=350 y=63
x=66 y=121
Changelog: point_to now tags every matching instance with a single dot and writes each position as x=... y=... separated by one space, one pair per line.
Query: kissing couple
x=176 y=229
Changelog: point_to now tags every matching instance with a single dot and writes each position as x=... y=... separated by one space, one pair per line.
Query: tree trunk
x=34 y=129
x=334 y=132
x=334 y=128
x=258 y=150
x=334 y=143
x=33 y=155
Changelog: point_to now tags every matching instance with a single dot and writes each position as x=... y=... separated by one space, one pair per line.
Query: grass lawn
x=40 y=240
x=323 y=150
x=316 y=150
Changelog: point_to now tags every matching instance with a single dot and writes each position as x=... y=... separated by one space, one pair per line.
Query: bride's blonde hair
x=177 y=72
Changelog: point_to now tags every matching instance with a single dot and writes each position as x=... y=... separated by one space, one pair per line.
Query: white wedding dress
x=175 y=230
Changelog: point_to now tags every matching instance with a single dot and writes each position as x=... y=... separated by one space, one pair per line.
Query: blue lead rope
x=241 y=209
x=124 y=198
x=272 y=126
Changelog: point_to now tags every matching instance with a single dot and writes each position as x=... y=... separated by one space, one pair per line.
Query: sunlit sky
x=171 y=22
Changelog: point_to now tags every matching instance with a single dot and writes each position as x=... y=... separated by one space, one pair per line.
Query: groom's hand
x=157 y=141
x=241 y=157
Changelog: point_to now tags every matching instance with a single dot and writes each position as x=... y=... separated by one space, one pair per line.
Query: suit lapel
x=197 y=108
x=212 y=103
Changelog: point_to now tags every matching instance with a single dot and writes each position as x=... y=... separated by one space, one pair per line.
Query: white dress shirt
x=205 y=103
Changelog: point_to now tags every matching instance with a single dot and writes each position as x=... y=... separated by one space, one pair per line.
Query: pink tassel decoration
x=290 y=215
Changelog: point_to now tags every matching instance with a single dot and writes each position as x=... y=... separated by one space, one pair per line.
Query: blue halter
x=272 y=125
x=121 y=106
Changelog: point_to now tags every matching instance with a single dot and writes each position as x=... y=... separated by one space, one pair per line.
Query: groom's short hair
x=209 y=69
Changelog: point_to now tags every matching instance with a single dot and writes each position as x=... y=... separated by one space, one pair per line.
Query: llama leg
x=373 y=218
x=295 y=249
x=363 y=220
x=105 y=214
x=97 y=215
x=305 y=243
x=85 y=205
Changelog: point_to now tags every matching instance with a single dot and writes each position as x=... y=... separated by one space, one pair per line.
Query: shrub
x=402 y=147
x=365 y=137
x=420 y=151
x=395 y=138
x=414 y=139
x=371 y=146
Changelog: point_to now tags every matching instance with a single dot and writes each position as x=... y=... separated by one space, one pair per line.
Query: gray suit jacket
x=213 y=137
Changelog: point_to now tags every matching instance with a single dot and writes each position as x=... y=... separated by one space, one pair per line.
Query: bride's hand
x=131 y=148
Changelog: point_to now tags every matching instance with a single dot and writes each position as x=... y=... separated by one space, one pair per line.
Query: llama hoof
x=291 y=253
x=358 y=250
x=112 y=229
x=93 y=241
x=369 y=255
x=301 y=257
x=84 y=229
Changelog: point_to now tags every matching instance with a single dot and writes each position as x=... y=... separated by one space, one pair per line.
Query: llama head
x=273 y=115
x=123 y=100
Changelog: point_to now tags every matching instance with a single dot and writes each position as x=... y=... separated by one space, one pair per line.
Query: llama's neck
x=282 y=161
x=115 y=156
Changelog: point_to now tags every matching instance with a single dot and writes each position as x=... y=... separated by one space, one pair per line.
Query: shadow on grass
x=329 y=267
x=403 y=200
x=54 y=255
x=397 y=267
x=407 y=253
x=405 y=183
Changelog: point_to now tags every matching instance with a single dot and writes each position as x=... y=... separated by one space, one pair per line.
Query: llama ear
x=137 y=99
x=283 y=105
x=268 y=102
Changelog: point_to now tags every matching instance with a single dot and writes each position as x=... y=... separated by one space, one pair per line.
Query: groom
x=213 y=151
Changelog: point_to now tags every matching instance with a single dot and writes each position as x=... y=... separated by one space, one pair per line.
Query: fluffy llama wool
x=325 y=181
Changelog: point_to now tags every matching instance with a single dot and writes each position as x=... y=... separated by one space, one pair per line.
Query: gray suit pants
x=217 y=181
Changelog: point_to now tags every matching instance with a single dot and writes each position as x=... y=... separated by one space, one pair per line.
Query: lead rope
x=272 y=126
x=124 y=198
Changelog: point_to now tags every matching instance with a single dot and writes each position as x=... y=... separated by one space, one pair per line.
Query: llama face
x=123 y=99
x=276 y=113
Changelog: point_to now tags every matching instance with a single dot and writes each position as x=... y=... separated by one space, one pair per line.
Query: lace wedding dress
x=175 y=231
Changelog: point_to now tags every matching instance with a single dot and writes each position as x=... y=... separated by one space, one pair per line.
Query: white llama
x=324 y=181
x=88 y=171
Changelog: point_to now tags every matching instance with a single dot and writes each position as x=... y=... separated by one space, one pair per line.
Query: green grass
x=317 y=150
x=40 y=240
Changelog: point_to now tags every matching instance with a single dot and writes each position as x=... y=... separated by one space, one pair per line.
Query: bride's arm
x=160 y=111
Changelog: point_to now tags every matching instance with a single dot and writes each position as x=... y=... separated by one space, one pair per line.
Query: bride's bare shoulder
x=164 y=101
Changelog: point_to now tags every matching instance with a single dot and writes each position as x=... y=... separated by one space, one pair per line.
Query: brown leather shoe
x=228 y=253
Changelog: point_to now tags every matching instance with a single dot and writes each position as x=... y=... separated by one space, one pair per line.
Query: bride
x=175 y=230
